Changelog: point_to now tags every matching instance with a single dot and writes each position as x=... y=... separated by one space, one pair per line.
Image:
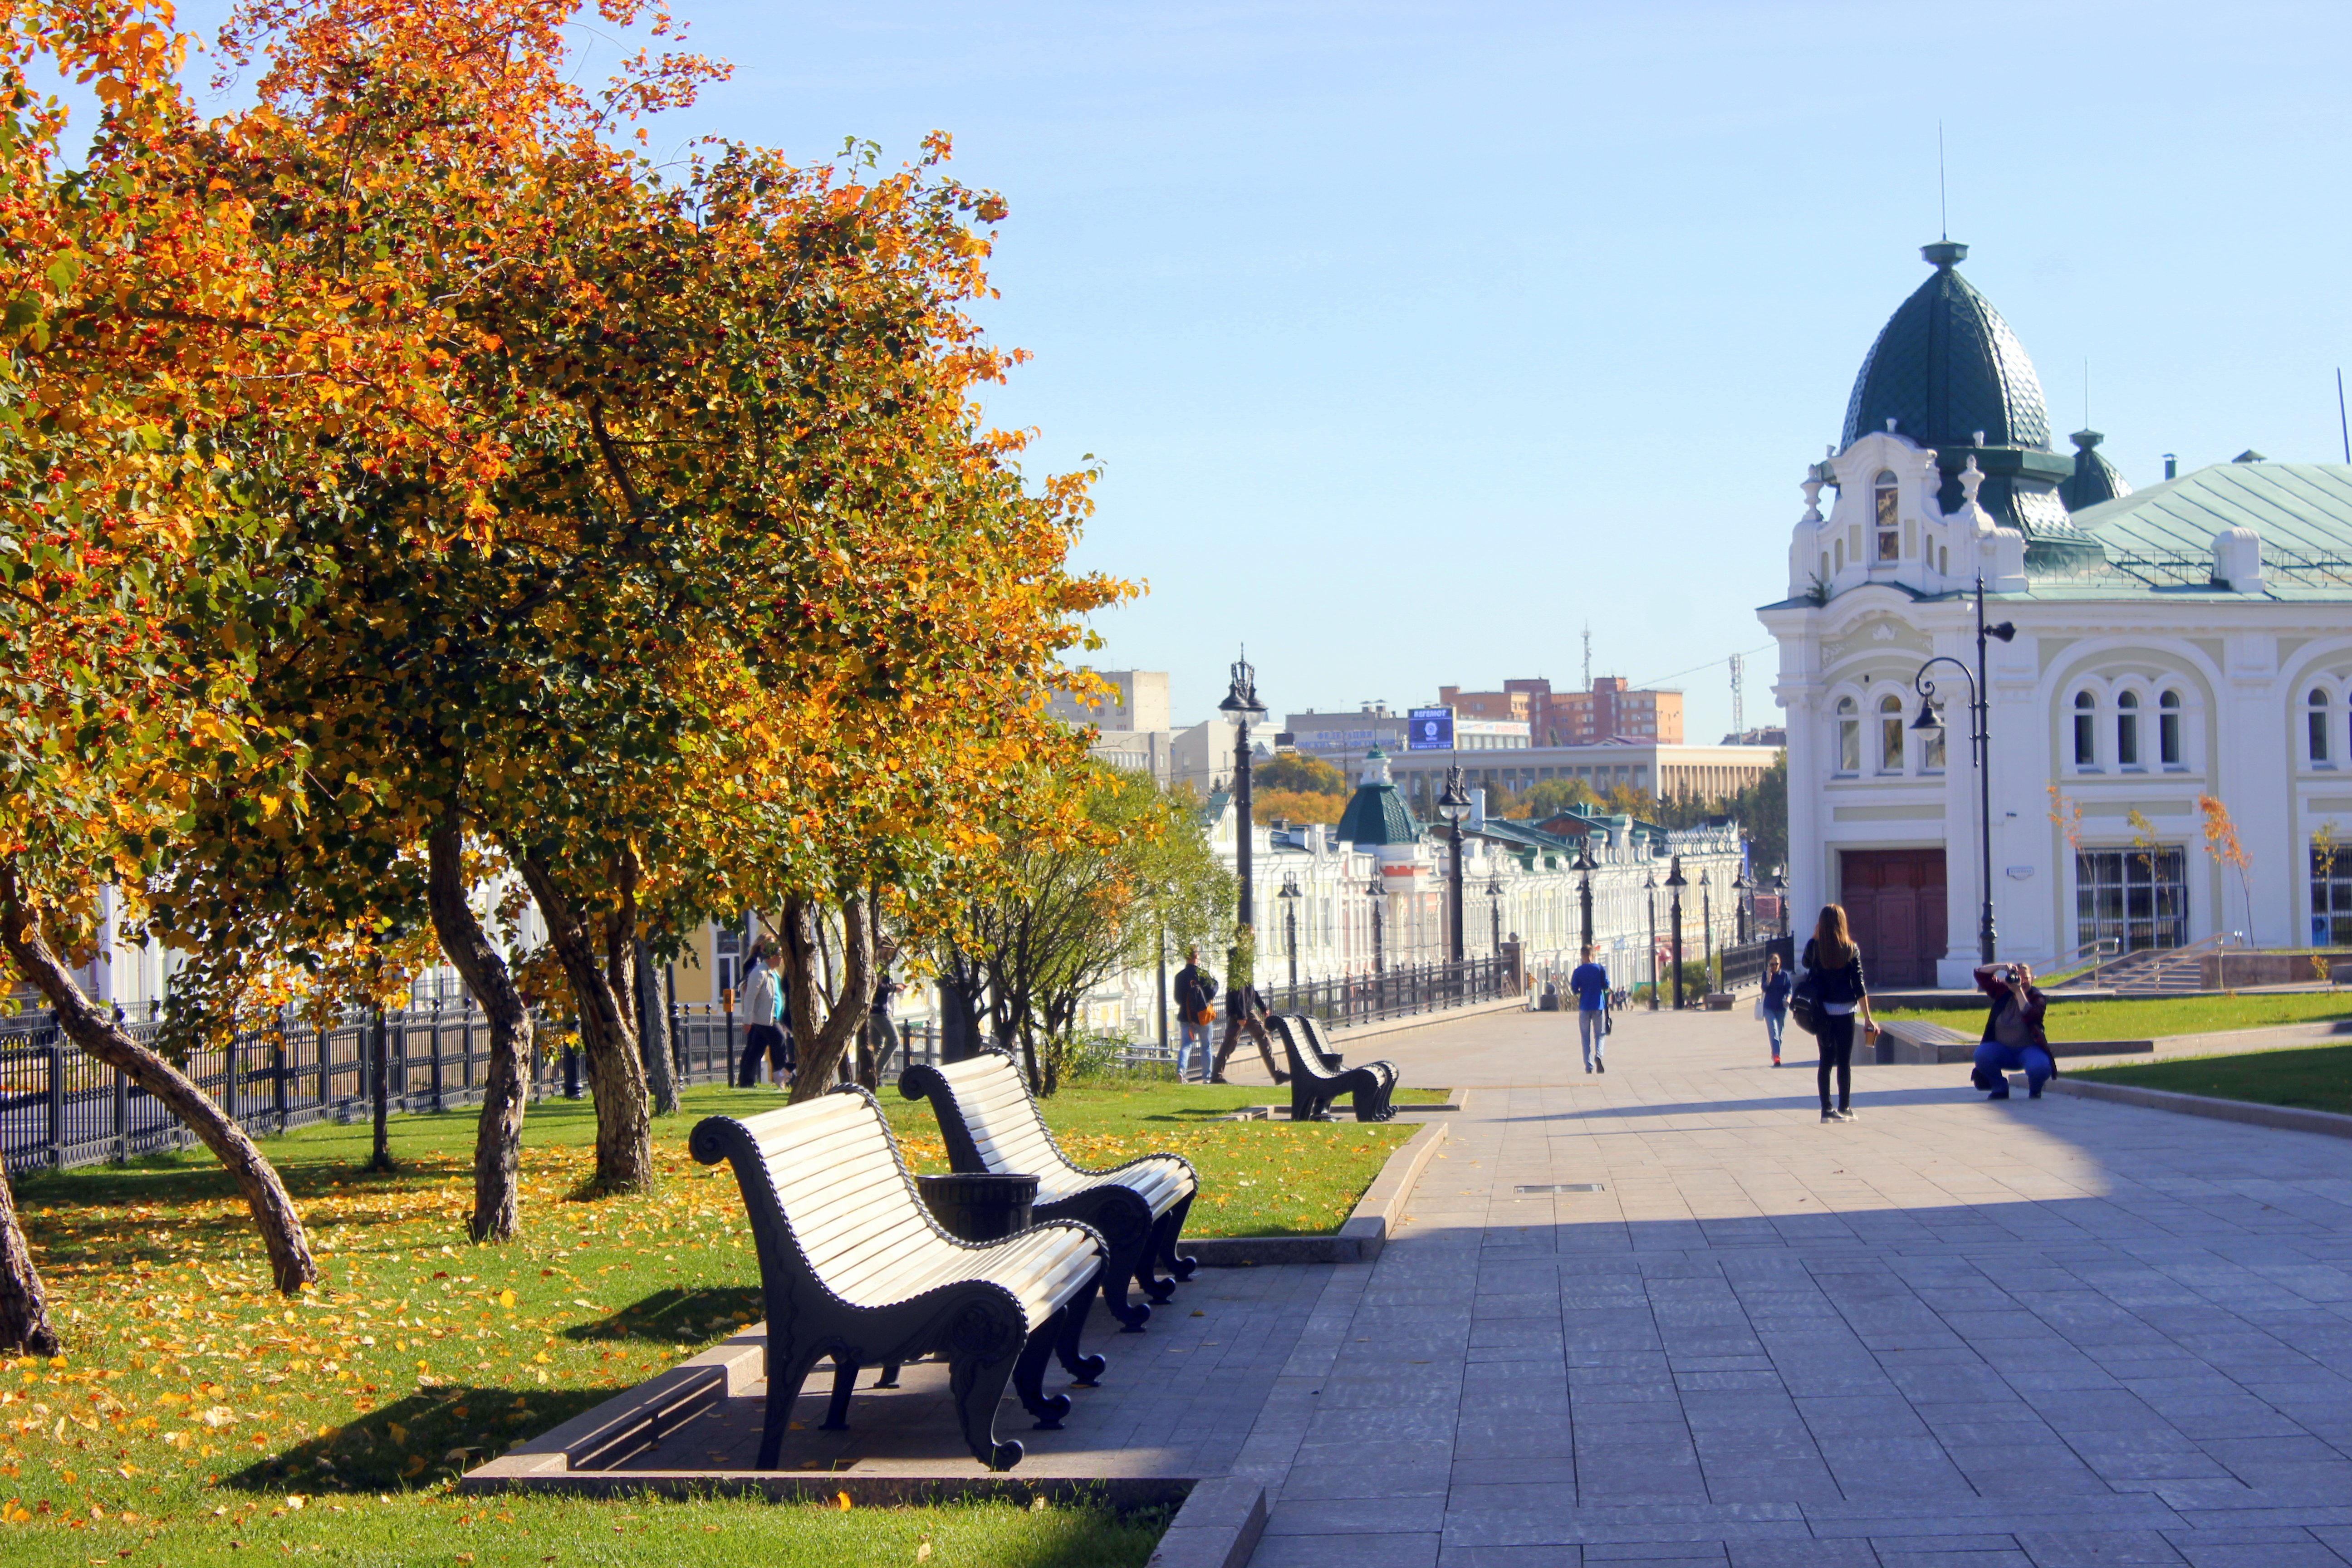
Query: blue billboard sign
x=1429 y=730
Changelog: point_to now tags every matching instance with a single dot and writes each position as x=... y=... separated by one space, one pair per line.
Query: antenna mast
x=1588 y=656
x=1943 y=217
x=1738 y=717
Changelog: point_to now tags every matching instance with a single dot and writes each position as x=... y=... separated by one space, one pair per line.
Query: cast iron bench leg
x=977 y=1384
x=1084 y=1370
x=781 y=1394
x=844 y=1382
x=889 y=1378
x=1029 y=1377
x=1163 y=1239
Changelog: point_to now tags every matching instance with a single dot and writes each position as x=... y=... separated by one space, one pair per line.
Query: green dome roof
x=1950 y=374
x=2096 y=479
x=1376 y=814
x=1945 y=366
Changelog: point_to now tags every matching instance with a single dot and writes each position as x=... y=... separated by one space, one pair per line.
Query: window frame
x=1886 y=518
x=1891 y=748
x=2170 y=751
x=1846 y=736
x=2319 y=712
x=2085 y=712
x=2128 y=731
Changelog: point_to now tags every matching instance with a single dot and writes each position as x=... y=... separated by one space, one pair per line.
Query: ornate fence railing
x=60 y=1107
x=1396 y=992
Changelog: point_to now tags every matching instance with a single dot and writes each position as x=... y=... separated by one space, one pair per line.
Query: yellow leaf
x=843 y=1499
x=506 y=1298
x=923 y=1552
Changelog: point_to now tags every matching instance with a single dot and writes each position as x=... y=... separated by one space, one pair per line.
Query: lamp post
x=1743 y=894
x=1380 y=897
x=1980 y=751
x=1453 y=805
x=1585 y=866
x=1706 y=925
x=1780 y=890
x=1495 y=911
x=1240 y=701
x=1289 y=897
x=1650 y=893
x=1675 y=884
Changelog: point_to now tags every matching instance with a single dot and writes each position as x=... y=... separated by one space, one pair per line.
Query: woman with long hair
x=1833 y=962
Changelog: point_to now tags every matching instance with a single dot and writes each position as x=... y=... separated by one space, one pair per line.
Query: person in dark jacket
x=1245 y=1009
x=1194 y=993
x=2014 y=1040
x=1778 y=983
x=1835 y=958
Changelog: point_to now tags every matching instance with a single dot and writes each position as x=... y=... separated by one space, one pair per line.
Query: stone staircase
x=2156 y=972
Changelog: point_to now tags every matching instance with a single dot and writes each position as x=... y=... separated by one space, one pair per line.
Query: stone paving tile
x=2053 y=1333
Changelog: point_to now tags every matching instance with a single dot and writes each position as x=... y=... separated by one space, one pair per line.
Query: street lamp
x=1494 y=910
x=1706 y=925
x=1676 y=884
x=1780 y=890
x=1650 y=893
x=1289 y=897
x=1240 y=701
x=1744 y=890
x=1980 y=751
x=1586 y=866
x=1380 y=897
x=1453 y=805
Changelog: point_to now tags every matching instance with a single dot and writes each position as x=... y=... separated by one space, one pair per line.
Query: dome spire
x=1946 y=254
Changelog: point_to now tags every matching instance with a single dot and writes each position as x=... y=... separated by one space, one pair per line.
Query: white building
x=2190 y=640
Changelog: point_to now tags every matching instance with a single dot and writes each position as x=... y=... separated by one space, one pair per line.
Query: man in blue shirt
x=1590 y=984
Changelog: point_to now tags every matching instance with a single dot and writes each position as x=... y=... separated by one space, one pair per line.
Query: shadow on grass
x=427 y=1437
x=676 y=1316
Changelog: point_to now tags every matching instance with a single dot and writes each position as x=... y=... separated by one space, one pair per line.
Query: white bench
x=991 y=1122
x=855 y=1267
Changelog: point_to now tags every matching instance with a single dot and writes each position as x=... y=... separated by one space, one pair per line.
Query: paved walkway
x=2054 y=1333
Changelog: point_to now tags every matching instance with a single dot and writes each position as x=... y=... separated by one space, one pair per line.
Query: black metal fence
x=60 y=1107
x=1744 y=964
x=1421 y=988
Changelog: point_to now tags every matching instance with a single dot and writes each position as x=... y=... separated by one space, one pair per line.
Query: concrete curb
x=1358 y=1241
x=1455 y=1099
x=1218 y=1527
x=2285 y=1118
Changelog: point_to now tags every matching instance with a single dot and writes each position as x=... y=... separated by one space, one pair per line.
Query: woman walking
x=1773 y=1005
x=1833 y=966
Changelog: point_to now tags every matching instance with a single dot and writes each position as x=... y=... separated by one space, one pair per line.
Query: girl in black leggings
x=1833 y=963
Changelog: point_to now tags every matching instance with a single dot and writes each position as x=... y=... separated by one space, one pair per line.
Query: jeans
x=1591 y=1032
x=1993 y=1059
x=1199 y=1043
x=1836 y=1040
x=1774 y=1023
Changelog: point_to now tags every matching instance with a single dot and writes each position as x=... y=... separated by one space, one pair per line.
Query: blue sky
x=1413 y=338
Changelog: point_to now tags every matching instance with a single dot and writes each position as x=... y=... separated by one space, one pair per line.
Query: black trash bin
x=986 y=1207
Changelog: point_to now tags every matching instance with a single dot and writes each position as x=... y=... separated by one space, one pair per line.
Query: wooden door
x=1894 y=900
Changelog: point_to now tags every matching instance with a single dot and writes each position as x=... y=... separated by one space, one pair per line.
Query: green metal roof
x=1376 y=814
x=2096 y=480
x=1948 y=373
x=2160 y=539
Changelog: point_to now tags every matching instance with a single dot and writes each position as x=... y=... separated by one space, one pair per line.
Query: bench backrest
x=1311 y=1036
x=1000 y=1123
x=837 y=1192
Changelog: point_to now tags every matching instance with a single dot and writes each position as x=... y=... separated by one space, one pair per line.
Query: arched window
x=1890 y=537
x=1890 y=734
x=1943 y=560
x=2168 y=729
x=2319 y=722
x=1849 y=736
x=2086 y=735
x=2127 y=730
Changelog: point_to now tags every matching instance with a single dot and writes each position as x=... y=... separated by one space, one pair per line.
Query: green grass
x=194 y=1405
x=2151 y=1017
x=2313 y=1078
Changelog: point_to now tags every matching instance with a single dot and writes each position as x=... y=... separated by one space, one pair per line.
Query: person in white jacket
x=763 y=1012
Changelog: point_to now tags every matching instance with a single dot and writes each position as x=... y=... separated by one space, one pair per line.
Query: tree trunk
x=653 y=1034
x=24 y=1305
x=497 y=1134
x=820 y=1050
x=617 y=1078
x=380 y=1093
x=290 y=1263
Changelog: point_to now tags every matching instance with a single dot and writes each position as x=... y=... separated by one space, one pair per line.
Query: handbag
x=1607 y=1022
x=1760 y=1009
x=1805 y=1002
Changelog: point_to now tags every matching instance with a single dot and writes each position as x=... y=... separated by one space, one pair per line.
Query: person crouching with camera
x=2013 y=1037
